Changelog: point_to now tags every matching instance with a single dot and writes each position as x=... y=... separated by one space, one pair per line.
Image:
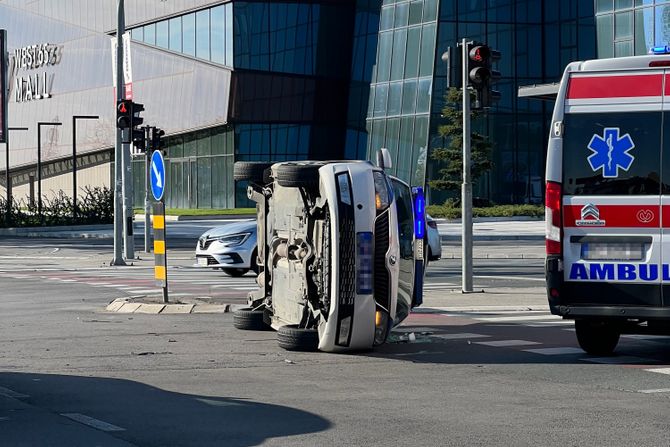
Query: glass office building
x=293 y=79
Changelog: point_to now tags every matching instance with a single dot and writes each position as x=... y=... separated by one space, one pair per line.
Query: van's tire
x=234 y=272
x=298 y=175
x=294 y=338
x=248 y=319
x=250 y=171
x=596 y=337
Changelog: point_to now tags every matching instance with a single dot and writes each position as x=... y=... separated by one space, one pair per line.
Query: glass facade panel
x=623 y=25
x=423 y=95
x=401 y=15
x=386 y=21
x=605 y=36
x=150 y=34
x=644 y=30
x=409 y=97
x=188 y=37
x=162 y=35
x=394 y=99
x=385 y=55
x=202 y=34
x=175 y=34
x=415 y=12
x=399 y=48
x=413 y=51
x=427 y=50
x=218 y=34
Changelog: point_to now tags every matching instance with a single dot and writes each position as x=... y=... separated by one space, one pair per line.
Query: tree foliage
x=450 y=156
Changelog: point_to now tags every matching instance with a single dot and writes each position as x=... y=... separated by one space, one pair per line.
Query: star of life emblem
x=590 y=217
x=611 y=152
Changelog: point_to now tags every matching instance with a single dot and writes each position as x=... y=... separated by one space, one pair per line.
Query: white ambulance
x=608 y=199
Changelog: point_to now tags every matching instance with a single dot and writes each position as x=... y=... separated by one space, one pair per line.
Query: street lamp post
x=74 y=158
x=8 y=178
x=39 y=162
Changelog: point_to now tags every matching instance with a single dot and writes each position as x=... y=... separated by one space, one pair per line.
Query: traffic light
x=136 y=119
x=158 y=143
x=482 y=76
x=139 y=138
x=123 y=113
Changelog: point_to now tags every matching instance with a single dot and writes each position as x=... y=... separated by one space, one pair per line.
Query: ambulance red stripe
x=589 y=87
x=624 y=216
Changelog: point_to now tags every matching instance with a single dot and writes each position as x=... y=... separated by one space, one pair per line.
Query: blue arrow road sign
x=157 y=175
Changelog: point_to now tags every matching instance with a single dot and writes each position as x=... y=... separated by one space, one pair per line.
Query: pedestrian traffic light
x=482 y=75
x=123 y=113
x=139 y=139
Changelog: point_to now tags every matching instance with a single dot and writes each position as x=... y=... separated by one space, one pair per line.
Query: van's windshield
x=612 y=153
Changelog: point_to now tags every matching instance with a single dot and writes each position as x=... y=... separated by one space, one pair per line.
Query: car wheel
x=251 y=171
x=235 y=272
x=248 y=319
x=299 y=175
x=294 y=338
x=597 y=337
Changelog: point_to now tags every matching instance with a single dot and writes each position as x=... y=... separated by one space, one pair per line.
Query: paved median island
x=152 y=304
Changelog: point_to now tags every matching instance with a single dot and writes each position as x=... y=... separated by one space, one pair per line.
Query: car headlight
x=232 y=239
x=382 y=193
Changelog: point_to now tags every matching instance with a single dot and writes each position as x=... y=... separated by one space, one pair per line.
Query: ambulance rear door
x=611 y=185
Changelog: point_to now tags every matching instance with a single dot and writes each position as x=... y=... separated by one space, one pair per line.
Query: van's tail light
x=552 y=211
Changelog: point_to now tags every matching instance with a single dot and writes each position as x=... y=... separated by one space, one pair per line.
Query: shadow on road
x=153 y=416
x=454 y=340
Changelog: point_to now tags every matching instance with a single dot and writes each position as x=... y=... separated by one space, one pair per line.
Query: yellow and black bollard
x=160 y=249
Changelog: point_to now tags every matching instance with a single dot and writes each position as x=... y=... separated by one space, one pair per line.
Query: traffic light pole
x=127 y=179
x=118 y=150
x=466 y=188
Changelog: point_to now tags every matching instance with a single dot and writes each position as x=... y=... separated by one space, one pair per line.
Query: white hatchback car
x=340 y=249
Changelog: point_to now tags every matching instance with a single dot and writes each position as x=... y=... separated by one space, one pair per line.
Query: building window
x=206 y=34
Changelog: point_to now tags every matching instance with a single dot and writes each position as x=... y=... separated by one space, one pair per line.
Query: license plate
x=202 y=262
x=613 y=251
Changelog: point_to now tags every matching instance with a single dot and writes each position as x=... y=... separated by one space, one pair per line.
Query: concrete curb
x=492 y=219
x=45 y=231
x=147 y=305
x=169 y=218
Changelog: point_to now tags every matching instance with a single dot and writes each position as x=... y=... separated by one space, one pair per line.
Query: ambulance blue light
x=660 y=50
x=419 y=212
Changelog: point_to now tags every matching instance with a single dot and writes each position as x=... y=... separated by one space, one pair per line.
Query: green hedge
x=94 y=206
x=451 y=212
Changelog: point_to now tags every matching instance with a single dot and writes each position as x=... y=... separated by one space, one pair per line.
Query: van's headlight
x=382 y=193
x=381 y=326
x=232 y=239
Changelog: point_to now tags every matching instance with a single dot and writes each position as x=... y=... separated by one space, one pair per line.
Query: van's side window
x=625 y=151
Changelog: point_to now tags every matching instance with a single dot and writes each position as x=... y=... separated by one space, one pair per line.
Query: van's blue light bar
x=419 y=212
x=660 y=50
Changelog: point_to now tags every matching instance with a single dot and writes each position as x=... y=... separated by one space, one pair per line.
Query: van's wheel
x=234 y=272
x=248 y=319
x=299 y=175
x=251 y=171
x=597 y=337
x=294 y=338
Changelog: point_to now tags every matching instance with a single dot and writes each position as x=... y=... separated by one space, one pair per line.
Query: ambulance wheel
x=248 y=319
x=251 y=171
x=294 y=338
x=597 y=337
x=299 y=175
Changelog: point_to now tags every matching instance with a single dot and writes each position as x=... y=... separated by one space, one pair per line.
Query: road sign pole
x=466 y=189
x=118 y=151
x=147 y=187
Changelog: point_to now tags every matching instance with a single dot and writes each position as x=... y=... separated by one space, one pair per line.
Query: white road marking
x=507 y=343
x=11 y=393
x=143 y=290
x=92 y=422
x=555 y=351
x=519 y=318
x=486 y=308
x=513 y=278
x=659 y=370
x=459 y=336
x=659 y=390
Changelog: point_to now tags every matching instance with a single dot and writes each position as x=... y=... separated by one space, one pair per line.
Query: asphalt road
x=472 y=374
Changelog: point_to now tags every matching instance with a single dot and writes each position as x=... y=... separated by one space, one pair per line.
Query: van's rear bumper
x=602 y=299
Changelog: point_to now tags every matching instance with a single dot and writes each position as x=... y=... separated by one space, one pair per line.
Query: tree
x=451 y=157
